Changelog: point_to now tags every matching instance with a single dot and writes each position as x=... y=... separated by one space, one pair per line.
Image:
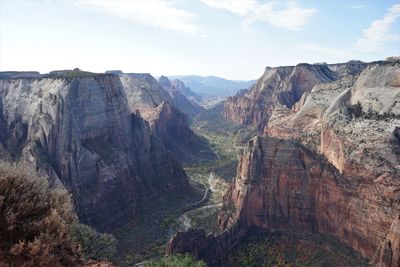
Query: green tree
x=94 y=245
x=176 y=260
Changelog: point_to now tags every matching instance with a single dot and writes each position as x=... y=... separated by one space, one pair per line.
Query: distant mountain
x=180 y=86
x=178 y=98
x=212 y=86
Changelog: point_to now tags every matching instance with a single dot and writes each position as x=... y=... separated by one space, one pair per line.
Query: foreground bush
x=34 y=221
x=94 y=245
x=177 y=260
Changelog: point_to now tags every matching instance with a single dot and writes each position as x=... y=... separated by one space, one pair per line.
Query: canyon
x=327 y=161
x=315 y=147
x=103 y=137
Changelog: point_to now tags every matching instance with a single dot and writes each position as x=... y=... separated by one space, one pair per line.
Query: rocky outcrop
x=349 y=122
x=172 y=127
x=281 y=85
x=186 y=91
x=79 y=130
x=396 y=134
x=154 y=103
x=178 y=99
x=144 y=94
x=329 y=164
x=352 y=67
x=282 y=185
x=342 y=180
x=214 y=250
x=284 y=86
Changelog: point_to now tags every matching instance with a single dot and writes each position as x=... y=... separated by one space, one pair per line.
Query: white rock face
x=144 y=94
x=378 y=89
x=281 y=85
x=350 y=121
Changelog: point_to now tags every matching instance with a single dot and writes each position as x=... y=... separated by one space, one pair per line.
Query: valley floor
x=289 y=249
x=146 y=237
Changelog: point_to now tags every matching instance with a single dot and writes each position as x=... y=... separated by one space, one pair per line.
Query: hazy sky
x=232 y=39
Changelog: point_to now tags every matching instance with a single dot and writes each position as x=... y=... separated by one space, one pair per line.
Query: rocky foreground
x=328 y=162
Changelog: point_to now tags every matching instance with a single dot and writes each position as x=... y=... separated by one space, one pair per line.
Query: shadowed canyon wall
x=80 y=130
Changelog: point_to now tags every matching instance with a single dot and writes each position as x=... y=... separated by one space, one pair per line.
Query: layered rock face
x=282 y=86
x=186 y=91
x=178 y=99
x=147 y=97
x=282 y=185
x=144 y=94
x=329 y=164
x=352 y=122
x=81 y=132
x=343 y=180
x=172 y=127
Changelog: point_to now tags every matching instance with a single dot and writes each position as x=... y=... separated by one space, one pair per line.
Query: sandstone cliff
x=186 y=91
x=349 y=121
x=282 y=185
x=178 y=99
x=330 y=163
x=79 y=130
x=346 y=183
x=147 y=97
x=282 y=86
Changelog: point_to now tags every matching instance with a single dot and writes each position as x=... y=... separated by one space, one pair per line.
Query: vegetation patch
x=293 y=250
x=38 y=225
x=146 y=236
x=176 y=260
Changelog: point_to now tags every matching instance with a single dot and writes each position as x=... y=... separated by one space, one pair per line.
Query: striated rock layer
x=283 y=86
x=179 y=100
x=155 y=104
x=329 y=164
x=346 y=183
x=79 y=130
x=282 y=185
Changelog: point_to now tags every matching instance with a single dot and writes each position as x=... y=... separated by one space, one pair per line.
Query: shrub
x=94 y=245
x=176 y=260
x=34 y=221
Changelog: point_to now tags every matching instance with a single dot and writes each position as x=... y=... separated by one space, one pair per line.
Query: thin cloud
x=359 y=6
x=378 y=33
x=328 y=51
x=288 y=15
x=155 y=13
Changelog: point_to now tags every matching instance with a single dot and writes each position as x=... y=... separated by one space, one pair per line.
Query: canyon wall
x=79 y=129
x=329 y=163
x=282 y=185
x=283 y=86
x=176 y=89
x=156 y=105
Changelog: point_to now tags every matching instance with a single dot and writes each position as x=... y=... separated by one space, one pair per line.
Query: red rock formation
x=281 y=85
x=282 y=185
x=329 y=165
x=346 y=183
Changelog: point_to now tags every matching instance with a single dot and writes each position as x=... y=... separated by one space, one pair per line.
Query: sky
x=234 y=39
